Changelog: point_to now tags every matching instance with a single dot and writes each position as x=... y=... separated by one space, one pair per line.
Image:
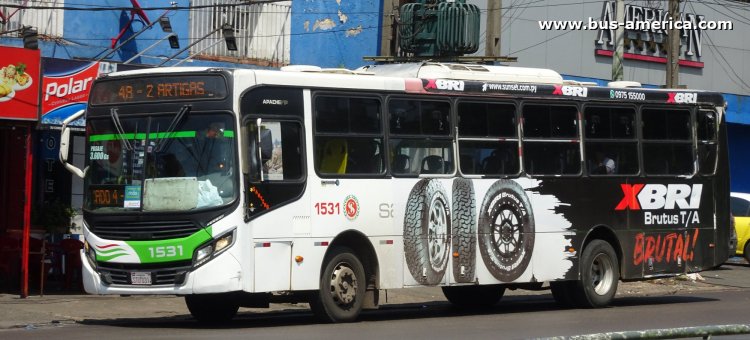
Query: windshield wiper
x=173 y=125
x=120 y=130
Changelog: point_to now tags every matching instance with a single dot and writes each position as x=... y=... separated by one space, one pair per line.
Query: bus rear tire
x=342 y=288
x=746 y=252
x=212 y=308
x=484 y=296
x=600 y=273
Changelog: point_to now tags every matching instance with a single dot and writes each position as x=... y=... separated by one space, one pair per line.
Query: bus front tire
x=212 y=308
x=746 y=252
x=427 y=228
x=464 y=233
x=484 y=296
x=600 y=274
x=342 y=288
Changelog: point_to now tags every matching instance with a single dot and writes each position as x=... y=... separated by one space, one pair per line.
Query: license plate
x=140 y=278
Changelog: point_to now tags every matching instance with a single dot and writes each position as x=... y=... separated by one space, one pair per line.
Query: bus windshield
x=169 y=162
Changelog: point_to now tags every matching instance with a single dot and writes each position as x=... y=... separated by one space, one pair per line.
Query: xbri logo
x=571 y=91
x=682 y=98
x=658 y=196
x=442 y=84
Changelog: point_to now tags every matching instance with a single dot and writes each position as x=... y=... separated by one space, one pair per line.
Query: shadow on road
x=438 y=309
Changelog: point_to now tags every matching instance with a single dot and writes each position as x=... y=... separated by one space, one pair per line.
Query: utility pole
x=673 y=46
x=619 y=41
x=387 y=36
x=494 y=21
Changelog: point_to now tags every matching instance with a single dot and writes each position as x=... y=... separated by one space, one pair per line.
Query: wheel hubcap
x=343 y=284
x=602 y=274
x=437 y=233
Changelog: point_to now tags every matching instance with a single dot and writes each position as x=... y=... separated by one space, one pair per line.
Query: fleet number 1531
x=165 y=251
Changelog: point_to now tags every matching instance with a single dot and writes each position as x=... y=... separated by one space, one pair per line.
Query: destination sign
x=154 y=89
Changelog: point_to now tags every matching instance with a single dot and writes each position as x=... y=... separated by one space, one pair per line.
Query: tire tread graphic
x=463 y=238
x=416 y=232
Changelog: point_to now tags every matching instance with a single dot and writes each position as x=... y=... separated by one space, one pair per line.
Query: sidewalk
x=50 y=310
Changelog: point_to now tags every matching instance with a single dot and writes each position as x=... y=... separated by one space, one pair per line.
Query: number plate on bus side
x=140 y=278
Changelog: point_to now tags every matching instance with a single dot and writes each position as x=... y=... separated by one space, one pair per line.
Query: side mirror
x=65 y=145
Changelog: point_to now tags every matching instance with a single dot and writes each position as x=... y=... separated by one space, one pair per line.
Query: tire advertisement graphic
x=464 y=230
x=427 y=229
x=506 y=230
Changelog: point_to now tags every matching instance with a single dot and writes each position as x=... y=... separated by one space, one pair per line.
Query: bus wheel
x=746 y=252
x=484 y=296
x=463 y=237
x=563 y=292
x=600 y=273
x=427 y=228
x=342 y=287
x=506 y=230
x=212 y=308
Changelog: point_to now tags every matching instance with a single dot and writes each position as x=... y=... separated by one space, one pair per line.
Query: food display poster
x=19 y=83
x=65 y=88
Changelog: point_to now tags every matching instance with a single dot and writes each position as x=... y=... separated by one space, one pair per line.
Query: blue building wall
x=89 y=34
x=335 y=33
x=95 y=30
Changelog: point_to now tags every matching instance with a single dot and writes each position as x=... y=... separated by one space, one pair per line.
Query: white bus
x=248 y=187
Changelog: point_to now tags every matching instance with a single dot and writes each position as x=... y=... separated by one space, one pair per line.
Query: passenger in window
x=604 y=165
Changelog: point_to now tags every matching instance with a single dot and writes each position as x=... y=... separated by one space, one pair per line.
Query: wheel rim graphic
x=437 y=233
x=507 y=237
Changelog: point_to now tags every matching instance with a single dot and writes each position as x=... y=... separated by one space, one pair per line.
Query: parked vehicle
x=740 y=203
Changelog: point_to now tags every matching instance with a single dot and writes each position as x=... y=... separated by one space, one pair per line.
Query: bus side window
x=667 y=144
x=611 y=147
x=551 y=141
x=480 y=125
x=707 y=142
x=352 y=143
x=420 y=137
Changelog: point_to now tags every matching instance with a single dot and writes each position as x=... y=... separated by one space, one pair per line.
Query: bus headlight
x=90 y=253
x=213 y=248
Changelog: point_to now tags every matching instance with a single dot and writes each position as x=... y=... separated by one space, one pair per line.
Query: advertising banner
x=19 y=83
x=65 y=88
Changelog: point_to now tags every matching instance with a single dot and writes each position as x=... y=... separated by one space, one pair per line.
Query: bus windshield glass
x=169 y=162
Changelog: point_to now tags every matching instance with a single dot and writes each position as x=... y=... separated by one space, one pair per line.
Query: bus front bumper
x=219 y=275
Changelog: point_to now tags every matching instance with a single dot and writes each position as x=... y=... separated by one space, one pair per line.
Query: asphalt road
x=515 y=317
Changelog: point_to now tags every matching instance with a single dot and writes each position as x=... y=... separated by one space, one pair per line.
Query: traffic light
x=30 y=38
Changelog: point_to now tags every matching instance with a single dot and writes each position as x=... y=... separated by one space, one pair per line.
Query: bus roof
x=455 y=79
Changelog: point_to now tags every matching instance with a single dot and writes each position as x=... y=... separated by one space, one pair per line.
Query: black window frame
x=450 y=137
x=554 y=140
x=622 y=141
x=713 y=141
x=381 y=135
x=645 y=142
x=516 y=139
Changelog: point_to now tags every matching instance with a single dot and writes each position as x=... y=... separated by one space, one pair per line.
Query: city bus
x=240 y=188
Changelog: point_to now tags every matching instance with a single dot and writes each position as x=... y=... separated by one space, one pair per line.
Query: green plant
x=52 y=216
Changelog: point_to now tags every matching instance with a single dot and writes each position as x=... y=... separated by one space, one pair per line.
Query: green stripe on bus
x=153 y=135
x=171 y=249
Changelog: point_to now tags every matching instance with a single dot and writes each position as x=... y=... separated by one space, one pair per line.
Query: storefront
x=19 y=112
